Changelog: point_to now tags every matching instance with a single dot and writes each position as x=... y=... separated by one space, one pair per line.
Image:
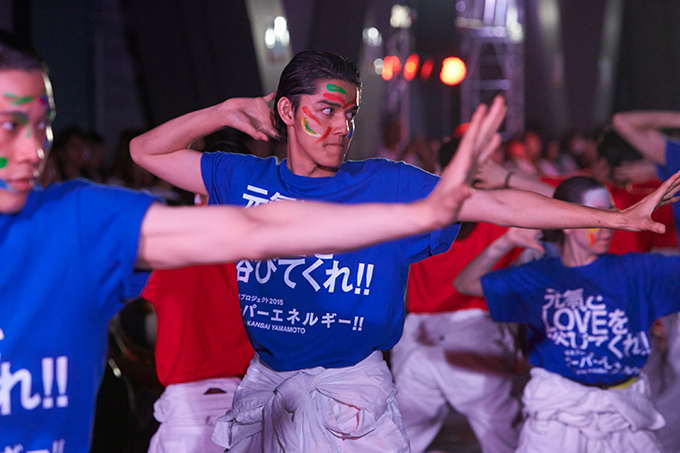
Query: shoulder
x=237 y=158
x=386 y=167
x=94 y=197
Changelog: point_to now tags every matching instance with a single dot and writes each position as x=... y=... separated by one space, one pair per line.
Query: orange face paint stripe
x=305 y=125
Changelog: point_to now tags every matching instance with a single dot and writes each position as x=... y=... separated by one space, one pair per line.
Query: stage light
x=391 y=67
x=453 y=71
x=411 y=67
x=426 y=70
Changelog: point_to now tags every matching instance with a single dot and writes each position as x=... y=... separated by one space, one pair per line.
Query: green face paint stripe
x=16 y=100
x=20 y=118
x=350 y=103
x=305 y=123
x=331 y=87
x=3 y=162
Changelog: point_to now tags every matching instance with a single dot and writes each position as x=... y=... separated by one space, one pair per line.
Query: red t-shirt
x=642 y=241
x=200 y=332
x=430 y=282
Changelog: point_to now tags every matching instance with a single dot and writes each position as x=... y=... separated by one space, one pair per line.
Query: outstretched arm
x=182 y=236
x=164 y=150
x=642 y=129
x=172 y=237
x=469 y=280
x=529 y=210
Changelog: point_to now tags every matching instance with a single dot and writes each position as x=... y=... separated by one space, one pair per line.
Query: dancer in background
x=588 y=314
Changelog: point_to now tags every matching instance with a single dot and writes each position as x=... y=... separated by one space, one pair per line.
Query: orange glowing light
x=453 y=71
x=411 y=67
x=391 y=67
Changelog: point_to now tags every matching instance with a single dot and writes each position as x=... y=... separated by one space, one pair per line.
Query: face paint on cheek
x=3 y=162
x=351 y=130
x=308 y=130
x=592 y=234
x=323 y=137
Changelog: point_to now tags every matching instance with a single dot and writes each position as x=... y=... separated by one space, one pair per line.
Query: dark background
x=118 y=64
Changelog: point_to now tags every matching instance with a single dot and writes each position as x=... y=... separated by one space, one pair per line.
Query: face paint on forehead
x=597 y=198
x=18 y=100
x=344 y=100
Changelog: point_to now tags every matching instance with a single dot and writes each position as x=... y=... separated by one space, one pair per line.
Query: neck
x=576 y=256
x=310 y=171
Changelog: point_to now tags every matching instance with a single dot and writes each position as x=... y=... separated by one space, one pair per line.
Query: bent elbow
x=136 y=150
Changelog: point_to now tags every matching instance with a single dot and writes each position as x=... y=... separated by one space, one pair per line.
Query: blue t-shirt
x=672 y=166
x=67 y=266
x=587 y=323
x=324 y=310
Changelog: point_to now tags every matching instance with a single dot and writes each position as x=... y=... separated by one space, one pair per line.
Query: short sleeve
x=656 y=278
x=217 y=169
x=416 y=184
x=110 y=223
x=504 y=294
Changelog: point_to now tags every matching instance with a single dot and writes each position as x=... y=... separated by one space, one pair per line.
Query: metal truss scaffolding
x=492 y=44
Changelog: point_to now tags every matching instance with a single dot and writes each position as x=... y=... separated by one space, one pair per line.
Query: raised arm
x=469 y=280
x=529 y=210
x=164 y=150
x=491 y=175
x=643 y=130
x=172 y=237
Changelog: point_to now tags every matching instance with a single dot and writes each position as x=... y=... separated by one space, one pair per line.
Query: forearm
x=176 y=134
x=173 y=237
x=643 y=130
x=469 y=280
x=522 y=181
x=530 y=210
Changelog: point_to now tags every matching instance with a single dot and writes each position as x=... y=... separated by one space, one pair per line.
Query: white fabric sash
x=317 y=409
x=602 y=416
